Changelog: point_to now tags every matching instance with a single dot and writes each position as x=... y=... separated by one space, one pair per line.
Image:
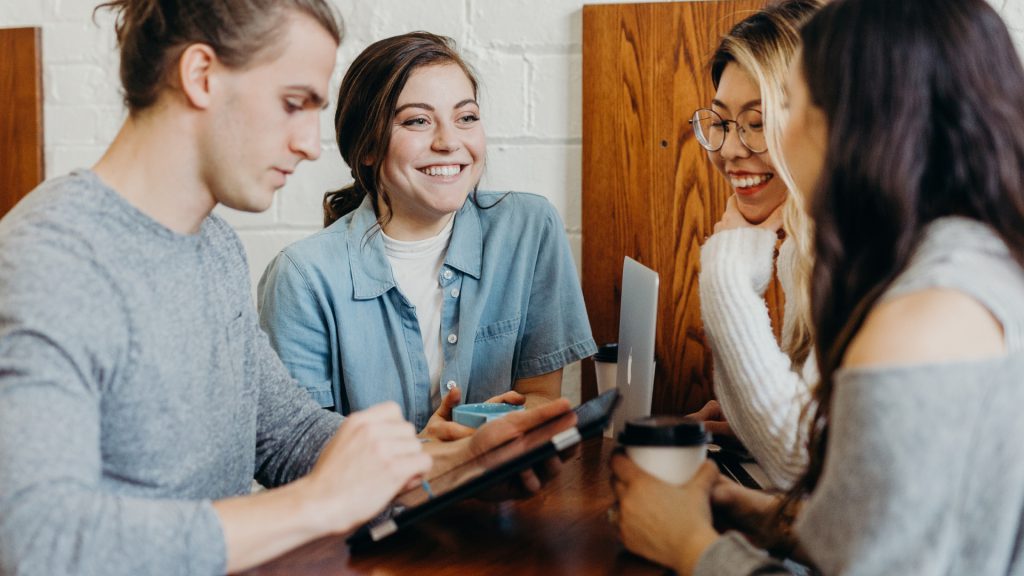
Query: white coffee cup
x=606 y=367
x=670 y=448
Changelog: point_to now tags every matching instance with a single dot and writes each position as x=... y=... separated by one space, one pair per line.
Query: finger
x=383 y=411
x=705 y=477
x=510 y=397
x=530 y=481
x=709 y=410
x=718 y=428
x=625 y=470
x=448 y=403
x=548 y=469
x=528 y=419
x=449 y=431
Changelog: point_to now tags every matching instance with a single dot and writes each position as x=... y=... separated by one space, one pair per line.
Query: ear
x=368 y=161
x=195 y=67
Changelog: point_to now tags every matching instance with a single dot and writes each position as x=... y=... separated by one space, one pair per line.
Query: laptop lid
x=638 y=315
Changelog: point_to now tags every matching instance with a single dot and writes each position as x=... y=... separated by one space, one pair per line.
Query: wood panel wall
x=21 y=114
x=649 y=191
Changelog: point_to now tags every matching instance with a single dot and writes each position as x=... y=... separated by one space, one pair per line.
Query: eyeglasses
x=711 y=129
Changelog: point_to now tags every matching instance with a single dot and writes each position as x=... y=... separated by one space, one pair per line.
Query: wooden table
x=561 y=530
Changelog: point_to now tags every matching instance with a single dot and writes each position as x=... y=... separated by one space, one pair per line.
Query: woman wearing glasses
x=761 y=386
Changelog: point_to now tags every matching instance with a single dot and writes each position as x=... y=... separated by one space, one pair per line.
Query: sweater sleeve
x=292 y=428
x=761 y=395
x=60 y=347
x=732 y=555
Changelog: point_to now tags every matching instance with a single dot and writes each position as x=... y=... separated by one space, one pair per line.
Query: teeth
x=442 y=170
x=749 y=181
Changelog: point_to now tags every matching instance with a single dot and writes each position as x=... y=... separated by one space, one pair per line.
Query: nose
x=305 y=140
x=445 y=138
x=732 y=147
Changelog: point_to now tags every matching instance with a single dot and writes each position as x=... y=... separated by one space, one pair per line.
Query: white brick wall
x=527 y=53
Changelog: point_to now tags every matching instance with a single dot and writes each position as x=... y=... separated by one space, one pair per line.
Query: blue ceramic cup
x=476 y=415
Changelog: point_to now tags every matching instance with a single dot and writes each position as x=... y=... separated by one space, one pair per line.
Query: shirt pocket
x=493 y=354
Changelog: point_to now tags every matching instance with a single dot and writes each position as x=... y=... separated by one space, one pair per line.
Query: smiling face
x=805 y=136
x=436 y=154
x=752 y=176
x=266 y=118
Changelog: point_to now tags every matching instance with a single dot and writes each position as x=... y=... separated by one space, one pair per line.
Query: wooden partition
x=21 y=114
x=649 y=191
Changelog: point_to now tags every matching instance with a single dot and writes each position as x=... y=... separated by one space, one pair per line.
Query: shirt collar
x=466 y=250
x=368 y=262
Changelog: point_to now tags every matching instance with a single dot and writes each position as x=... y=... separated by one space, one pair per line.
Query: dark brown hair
x=923 y=106
x=152 y=34
x=366 y=108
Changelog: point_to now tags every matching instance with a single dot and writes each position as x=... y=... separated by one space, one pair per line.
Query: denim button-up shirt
x=512 y=308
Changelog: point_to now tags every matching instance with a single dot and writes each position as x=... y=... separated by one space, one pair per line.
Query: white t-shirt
x=416 y=266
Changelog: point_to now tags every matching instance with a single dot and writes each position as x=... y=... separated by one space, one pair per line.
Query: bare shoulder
x=929 y=326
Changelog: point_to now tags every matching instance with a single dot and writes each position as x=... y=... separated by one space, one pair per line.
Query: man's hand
x=374 y=455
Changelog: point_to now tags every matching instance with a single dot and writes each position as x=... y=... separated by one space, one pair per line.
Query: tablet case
x=591 y=418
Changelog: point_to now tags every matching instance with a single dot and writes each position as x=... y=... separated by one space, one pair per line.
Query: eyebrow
x=751 y=104
x=430 y=108
x=315 y=97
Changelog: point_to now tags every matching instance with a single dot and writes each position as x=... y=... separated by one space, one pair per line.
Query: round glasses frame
x=705 y=121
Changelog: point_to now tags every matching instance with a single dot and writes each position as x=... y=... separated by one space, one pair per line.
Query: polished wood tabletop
x=561 y=530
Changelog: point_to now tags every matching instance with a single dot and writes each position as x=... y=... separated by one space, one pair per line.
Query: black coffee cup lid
x=664 y=431
x=607 y=353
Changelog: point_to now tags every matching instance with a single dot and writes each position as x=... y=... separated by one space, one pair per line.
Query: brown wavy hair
x=366 y=107
x=152 y=34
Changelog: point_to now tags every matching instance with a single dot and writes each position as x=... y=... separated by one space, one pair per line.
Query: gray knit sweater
x=135 y=387
x=925 y=467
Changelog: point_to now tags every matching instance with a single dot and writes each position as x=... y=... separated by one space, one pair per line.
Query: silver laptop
x=638 y=315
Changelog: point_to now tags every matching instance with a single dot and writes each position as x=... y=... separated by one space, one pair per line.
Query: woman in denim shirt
x=420 y=287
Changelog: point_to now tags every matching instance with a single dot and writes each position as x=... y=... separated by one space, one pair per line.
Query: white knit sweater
x=760 y=393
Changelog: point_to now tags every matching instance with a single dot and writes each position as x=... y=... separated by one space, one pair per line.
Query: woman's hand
x=671 y=525
x=732 y=218
x=752 y=512
x=440 y=426
x=714 y=420
x=509 y=428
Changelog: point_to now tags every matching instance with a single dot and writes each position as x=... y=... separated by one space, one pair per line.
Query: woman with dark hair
x=420 y=287
x=905 y=135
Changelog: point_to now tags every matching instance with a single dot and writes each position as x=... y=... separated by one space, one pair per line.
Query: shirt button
x=455 y=292
x=452 y=338
x=451 y=385
x=447 y=274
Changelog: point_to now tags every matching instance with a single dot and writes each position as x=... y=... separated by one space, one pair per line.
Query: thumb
x=706 y=477
x=448 y=403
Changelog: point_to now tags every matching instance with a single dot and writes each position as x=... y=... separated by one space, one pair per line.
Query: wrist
x=692 y=551
x=315 y=519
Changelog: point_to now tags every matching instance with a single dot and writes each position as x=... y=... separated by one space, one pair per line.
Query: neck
x=153 y=164
x=408 y=227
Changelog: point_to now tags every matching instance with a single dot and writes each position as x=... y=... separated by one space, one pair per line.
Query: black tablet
x=498 y=465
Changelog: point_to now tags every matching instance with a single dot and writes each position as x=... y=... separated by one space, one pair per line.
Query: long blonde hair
x=763 y=45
